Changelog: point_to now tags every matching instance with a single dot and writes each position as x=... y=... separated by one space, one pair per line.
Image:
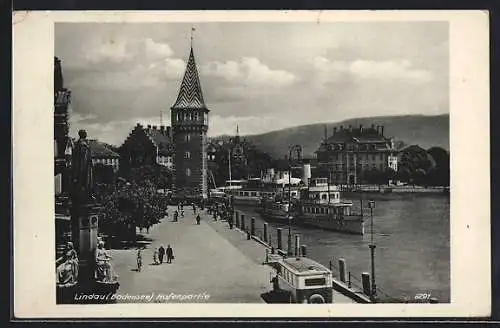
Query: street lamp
x=298 y=149
x=372 y=246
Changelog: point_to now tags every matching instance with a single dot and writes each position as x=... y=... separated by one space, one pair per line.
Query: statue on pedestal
x=67 y=271
x=82 y=171
x=104 y=270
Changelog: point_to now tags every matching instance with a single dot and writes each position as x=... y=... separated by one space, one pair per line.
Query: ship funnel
x=306 y=173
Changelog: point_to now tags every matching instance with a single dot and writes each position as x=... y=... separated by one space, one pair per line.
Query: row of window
x=373 y=157
x=353 y=147
x=287 y=275
x=191 y=116
x=324 y=210
x=108 y=161
x=255 y=194
x=363 y=166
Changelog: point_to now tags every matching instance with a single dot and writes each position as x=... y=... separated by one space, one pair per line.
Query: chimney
x=382 y=130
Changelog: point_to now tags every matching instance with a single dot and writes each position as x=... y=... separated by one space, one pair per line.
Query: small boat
x=276 y=210
x=321 y=207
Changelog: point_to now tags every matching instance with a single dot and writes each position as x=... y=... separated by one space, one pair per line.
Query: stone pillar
x=242 y=221
x=303 y=250
x=280 y=241
x=365 y=278
x=342 y=270
x=265 y=233
x=85 y=222
x=252 y=226
x=297 y=245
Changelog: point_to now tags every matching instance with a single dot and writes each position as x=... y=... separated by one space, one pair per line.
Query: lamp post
x=298 y=149
x=372 y=246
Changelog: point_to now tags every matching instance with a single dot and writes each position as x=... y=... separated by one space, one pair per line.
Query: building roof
x=161 y=139
x=361 y=135
x=100 y=150
x=190 y=95
x=304 y=264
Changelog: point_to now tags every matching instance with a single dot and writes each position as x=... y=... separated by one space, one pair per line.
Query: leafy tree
x=404 y=174
x=440 y=174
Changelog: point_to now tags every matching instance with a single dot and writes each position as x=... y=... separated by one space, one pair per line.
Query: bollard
x=252 y=226
x=297 y=245
x=365 y=278
x=280 y=243
x=303 y=250
x=248 y=235
x=342 y=270
x=242 y=221
x=265 y=233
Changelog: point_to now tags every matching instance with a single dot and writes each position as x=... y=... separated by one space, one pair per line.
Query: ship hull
x=353 y=224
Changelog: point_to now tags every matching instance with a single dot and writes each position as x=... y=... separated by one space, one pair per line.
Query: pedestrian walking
x=155 y=256
x=161 y=253
x=176 y=216
x=194 y=208
x=198 y=219
x=139 y=260
x=170 y=254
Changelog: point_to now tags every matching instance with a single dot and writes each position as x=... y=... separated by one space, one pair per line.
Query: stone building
x=101 y=154
x=63 y=147
x=147 y=146
x=62 y=142
x=350 y=153
x=189 y=119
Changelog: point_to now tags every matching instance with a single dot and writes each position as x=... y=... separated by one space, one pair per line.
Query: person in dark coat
x=170 y=254
x=161 y=253
x=198 y=219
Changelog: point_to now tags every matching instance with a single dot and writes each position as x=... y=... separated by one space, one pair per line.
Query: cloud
x=155 y=49
x=401 y=70
x=104 y=49
x=249 y=71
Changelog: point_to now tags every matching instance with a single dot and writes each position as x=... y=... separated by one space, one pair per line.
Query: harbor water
x=412 y=237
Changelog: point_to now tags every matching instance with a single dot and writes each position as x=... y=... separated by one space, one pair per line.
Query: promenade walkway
x=206 y=263
x=210 y=260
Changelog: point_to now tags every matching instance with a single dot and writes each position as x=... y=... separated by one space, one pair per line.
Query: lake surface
x=412 y=235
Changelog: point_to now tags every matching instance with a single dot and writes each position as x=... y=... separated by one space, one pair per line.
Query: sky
x=262 y=76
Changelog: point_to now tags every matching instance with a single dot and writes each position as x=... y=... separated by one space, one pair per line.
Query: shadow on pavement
x=276 y=297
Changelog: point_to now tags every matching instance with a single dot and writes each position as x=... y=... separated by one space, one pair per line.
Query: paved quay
x=210 y=259
x=205 y=263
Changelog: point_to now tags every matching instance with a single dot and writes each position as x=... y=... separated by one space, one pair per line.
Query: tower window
x=188 y=172
x=187 y=155
x=195 y=116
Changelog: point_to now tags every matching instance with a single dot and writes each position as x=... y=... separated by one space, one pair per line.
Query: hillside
x=426 y=131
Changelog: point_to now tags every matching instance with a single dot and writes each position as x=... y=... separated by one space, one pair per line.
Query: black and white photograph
x=255 y=162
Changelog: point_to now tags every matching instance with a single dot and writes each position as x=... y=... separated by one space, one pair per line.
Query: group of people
x=159 y=254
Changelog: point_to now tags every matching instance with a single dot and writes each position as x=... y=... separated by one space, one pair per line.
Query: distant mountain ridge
x=425 y=131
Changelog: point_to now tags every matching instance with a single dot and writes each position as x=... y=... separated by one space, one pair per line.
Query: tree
x=440 y=174
x=419 y=177
x=404 y=174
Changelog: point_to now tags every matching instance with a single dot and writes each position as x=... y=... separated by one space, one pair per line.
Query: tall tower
x=189 y=119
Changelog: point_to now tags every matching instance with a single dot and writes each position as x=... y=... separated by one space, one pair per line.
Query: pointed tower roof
x=190 y=94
